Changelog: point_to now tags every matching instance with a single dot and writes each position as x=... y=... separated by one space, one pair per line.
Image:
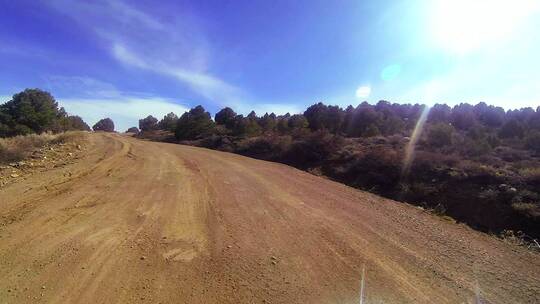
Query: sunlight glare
x=363 y=92
x=462 y=26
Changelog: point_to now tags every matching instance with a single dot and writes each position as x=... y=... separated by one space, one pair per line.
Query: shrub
x=20 y=147
x=218 y=142
x=378 y=169
x=440 y=135
x=105 y=124
x=133 y=130
x=532 y=141
x=194 y=124
x=149 y=123
x=168 y=123
x=265 y=147
x=512 y=129
x=33 y=108
x=226 y=117
x=531 y=176
x=312 y=149
x=36 y=111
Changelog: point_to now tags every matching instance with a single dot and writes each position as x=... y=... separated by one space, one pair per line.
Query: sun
x=463 y=26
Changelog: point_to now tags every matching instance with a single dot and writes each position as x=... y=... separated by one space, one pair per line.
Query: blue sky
x=126 y=59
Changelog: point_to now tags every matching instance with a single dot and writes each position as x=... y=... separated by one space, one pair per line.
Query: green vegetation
x=477 y=164
x=13 y=149
x=148 y=124
x=194 y=124
x=105 y=124
x=36 y=111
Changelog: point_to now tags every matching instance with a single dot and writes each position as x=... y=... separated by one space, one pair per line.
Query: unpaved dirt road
x=144 y=222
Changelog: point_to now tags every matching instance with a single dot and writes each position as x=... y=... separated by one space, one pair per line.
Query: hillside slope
x=137 y=221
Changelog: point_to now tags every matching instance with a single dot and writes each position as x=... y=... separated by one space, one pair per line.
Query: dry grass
x=20 y=147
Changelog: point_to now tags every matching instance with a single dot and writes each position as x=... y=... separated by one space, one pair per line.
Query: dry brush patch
x=17 y=148
x=22 y=156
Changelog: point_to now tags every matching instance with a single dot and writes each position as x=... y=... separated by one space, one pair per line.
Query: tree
x=532 y=141
x=268 y=122
x=105 y=124
x=283 y=123
x=69 y=123
x=439 y=113
x=462 y=116
x=168 y=122
x=245 y=126
x=365 y=121
x=297 y=122
x=33 y=108
x=489 y=115
x=316 y=116
x=77 y=123
x=334 y=118
x=133 y=130
x=512 y=129
x=252 y=115
x=225 y=116
x=149 y=123
x=440 y=135
x=194 y=124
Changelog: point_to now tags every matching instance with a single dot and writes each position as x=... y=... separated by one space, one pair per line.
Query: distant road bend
x=144 y=222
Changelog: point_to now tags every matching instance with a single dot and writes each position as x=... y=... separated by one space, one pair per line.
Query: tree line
x=484 y=125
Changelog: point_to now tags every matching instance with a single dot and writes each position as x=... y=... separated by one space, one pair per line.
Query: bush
x=36 y=111
x=226 y=117
x=105 y=124
x=532 y=141
x=512 y=129
x=378 y=170
x=168 y=123
x=194 y=124
x=313 y=149
x=265 y=147
x=20 y=147
x=133 y=130
x=440 y=135
x=149 y=123
x=33 y=108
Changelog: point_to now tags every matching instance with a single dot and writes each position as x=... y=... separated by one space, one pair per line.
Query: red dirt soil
x=134 y=221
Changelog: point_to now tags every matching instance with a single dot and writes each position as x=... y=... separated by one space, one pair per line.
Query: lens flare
x=362 y=284
x=390 y=72
x=409 y=151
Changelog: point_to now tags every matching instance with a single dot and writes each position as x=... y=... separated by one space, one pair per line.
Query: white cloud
x=201 y=83
x=173 y=47
x=81 y=86
x=363 y=92
x=125 y=111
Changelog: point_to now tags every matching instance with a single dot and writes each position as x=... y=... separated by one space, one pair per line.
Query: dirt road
x=144 y=222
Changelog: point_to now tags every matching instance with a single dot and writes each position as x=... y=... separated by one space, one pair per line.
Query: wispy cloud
x=174 y=47
x=178 y=48
x=81 y=86
x=202 y=83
